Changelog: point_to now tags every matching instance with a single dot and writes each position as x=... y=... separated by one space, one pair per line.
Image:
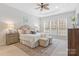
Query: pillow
x=33 y=32
x=22 y=31
x=25 y=29
x=28 y=32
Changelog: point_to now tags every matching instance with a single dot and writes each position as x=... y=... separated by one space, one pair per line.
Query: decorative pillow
x=33 y=32
x=28 y=32
x=24 y=29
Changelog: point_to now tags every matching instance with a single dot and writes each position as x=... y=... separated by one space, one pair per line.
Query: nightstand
x=44 y=42
x=12 y=38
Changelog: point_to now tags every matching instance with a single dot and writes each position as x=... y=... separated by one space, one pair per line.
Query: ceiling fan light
x=43 y=6
x=56 y=7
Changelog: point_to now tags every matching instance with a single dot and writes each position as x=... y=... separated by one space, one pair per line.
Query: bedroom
x=52 y=23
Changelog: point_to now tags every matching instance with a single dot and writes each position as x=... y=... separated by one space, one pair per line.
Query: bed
x=31 y=40
x=28 y=37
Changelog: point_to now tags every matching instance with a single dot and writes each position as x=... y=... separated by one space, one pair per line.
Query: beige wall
x=2 y=33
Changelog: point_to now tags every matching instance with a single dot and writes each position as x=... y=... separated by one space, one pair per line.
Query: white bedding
x=30 y=37
x=30 y=40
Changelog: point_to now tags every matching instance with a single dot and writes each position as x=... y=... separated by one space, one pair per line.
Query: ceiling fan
x=43 y=6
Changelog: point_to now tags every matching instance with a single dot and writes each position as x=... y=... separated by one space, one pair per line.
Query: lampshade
x=10 y=26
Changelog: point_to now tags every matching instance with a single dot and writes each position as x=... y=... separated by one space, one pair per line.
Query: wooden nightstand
x=12 y=38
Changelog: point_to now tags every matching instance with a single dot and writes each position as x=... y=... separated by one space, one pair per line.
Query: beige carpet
x=57 y=48
x=39 y=51
x=11 y=51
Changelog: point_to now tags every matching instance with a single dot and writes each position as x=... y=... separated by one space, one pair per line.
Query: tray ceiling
x=54 y=8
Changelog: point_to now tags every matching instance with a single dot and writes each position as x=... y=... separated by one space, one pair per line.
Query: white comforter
x=30 y=40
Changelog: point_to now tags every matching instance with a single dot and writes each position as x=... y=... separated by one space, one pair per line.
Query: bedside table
x=44 y=42
x=12 y=38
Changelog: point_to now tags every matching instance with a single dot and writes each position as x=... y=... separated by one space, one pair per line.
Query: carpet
x=38 y=51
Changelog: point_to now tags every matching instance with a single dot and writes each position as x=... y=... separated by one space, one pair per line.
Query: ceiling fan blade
x=42 y=6
x=46 y=8
x=46 y=4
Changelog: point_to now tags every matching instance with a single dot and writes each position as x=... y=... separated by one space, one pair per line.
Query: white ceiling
x=55 y=8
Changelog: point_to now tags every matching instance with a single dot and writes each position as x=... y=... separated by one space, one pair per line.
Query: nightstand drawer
x=12 y=35
x=12 y=38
